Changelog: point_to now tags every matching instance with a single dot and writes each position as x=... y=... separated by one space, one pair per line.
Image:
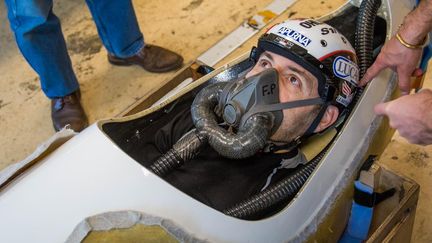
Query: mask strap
x=283 y=106
x=311 y=128
x=317 y=120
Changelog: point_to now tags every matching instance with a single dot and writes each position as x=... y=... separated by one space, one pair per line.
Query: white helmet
x=320 y=49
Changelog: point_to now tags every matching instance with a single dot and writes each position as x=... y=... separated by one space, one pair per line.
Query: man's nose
x=279 y=69
x=279 y=72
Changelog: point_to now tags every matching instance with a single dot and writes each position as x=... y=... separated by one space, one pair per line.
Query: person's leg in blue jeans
x=39 y=37
x=117 y=26
x=119 y=31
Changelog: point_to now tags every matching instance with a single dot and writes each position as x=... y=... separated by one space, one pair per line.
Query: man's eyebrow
x=268 y=56
x=301 y=72
x=295 y=69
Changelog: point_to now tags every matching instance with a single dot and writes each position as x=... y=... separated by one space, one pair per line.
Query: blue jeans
x=40 y=39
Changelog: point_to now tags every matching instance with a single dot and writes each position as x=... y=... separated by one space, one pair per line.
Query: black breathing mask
x=257 y=94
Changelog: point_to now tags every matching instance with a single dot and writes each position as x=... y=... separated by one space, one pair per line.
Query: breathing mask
x=256 y=94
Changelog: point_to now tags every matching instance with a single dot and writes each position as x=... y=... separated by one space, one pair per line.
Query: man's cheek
x=284 y=95
x=287 y=119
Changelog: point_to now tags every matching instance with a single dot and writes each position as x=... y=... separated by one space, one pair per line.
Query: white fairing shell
x=90 y=175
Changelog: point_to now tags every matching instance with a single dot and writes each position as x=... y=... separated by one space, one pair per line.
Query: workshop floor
x=189 y=27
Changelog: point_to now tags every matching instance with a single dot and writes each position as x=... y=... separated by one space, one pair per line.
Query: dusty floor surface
x=189 y=27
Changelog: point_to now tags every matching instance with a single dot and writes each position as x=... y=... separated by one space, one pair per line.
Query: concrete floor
x=188 y=27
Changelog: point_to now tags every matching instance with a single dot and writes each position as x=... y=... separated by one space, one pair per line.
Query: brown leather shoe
x=68 y=110
x=152 y=58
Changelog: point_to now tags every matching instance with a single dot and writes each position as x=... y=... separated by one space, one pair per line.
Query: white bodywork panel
x=90 y=175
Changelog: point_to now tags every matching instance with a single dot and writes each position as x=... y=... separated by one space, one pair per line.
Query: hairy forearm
x=418 y=23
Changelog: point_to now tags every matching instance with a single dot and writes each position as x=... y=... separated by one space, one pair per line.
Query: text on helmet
x=309 y=23
x=294 y=35
x=346 y=69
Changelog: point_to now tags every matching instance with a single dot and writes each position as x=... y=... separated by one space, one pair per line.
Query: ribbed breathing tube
x=364 y=28
x=281 y=191
x=242 y=144
x=183 y=150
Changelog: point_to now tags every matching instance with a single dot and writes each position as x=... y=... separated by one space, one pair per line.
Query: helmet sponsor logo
x=346 y=69
x=346 y=94
x=309 y=23
x=294 y=35
x=284 y=42
x=328 y=30
x=346 y=89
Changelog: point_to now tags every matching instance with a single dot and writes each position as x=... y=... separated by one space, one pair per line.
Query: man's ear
x=329 y=117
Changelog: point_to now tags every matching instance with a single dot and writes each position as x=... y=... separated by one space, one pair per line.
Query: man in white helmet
x=312 y=60
x=316 y=77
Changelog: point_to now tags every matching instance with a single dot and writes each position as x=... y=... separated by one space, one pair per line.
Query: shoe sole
x=120 y=62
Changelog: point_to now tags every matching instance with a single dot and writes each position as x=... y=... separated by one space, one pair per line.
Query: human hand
x=400 y=59
x=411 y=115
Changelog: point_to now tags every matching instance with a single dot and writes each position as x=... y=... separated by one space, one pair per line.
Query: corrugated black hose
x=245 y=143
x=275 y=194
x=364 y=39
x=183 y=150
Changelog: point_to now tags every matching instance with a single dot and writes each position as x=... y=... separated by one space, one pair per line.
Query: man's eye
x=294 y=80
x=265 y=64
